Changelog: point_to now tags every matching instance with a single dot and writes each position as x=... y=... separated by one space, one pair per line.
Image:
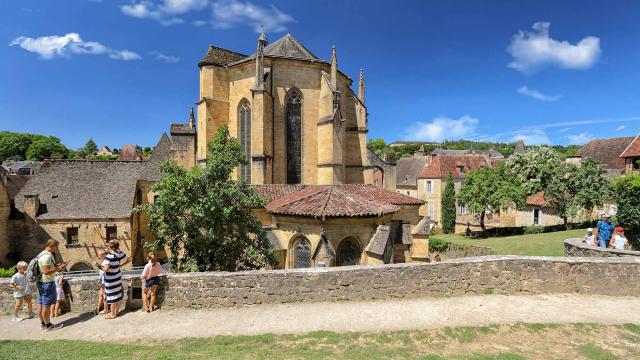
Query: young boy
x=21 y=291
x=589 y=238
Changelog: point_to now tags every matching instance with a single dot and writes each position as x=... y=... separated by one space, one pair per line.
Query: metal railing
x=133 y=271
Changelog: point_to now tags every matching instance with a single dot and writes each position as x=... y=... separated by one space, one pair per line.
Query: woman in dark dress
x=113 y=277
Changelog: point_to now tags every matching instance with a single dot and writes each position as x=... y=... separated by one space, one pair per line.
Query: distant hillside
x=401 y=149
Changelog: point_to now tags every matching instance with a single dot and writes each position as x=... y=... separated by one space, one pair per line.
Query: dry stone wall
x=467 y=276
x=576 y=247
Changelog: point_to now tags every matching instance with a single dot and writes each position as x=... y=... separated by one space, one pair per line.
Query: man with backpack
x=43 y=271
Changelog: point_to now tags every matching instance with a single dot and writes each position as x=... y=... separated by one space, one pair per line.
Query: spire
x=262 y=43
x=334 y=68
x=361 y=86
x=192 y=119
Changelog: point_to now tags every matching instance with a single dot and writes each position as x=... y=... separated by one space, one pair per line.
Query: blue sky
x=121 y=71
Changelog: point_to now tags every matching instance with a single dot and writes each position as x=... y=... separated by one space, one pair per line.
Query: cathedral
x=304 y=130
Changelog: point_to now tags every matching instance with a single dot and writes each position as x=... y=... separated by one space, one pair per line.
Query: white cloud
x=523 y=90
x=199 y=23
x=49 y=47
x=163 y=11
x=230 y=13
x=166 y=58
x=621 y=127
x=578 y=139
x=534 y=50
x=564 y=130
x=532 y=137
x=441 y=128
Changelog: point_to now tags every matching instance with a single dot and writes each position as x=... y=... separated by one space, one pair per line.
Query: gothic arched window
x=301 y=253
x=293 y=117
x=348 y=252
x=244 y=136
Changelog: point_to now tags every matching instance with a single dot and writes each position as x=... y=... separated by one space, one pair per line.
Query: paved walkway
x=340 y=317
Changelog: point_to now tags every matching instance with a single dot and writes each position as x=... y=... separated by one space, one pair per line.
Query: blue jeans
x=603 y=243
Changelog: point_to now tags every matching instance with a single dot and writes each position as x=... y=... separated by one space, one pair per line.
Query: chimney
x=31 y=205
x=390 y=158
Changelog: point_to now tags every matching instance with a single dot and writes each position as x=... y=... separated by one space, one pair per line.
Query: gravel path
x=339 y=317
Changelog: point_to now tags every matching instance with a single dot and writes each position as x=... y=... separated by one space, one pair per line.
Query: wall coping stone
x=580 y=244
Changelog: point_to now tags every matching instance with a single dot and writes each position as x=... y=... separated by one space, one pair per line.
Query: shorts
x=59 y=293
x=152 y=281
x=46 y=293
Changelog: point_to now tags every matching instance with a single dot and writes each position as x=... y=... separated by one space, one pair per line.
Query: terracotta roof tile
x=632 y=149
x=537 y=199
x=443 y=164
x=606 y=151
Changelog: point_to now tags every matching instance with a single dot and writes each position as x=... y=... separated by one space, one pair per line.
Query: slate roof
x=182 y=129
x=490 y=153
x=632 y=149
x=220 y=56
x=408 y=169
x=287 y=47
x=441 y=165
x=606 y=152
x=128 y=153
x=15 y=183
x=332 y=200
x=378 y=242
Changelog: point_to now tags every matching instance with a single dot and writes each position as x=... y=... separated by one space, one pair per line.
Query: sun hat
x=590 y=230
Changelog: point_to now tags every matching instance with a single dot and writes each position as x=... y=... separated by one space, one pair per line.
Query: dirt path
x=339 y=317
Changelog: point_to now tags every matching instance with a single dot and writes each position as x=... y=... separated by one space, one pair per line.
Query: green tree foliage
x=46 y=147
x=208 y=217
x=448 y=206
x=536 y=168
x=626 y=191
x=14 y=146
x=488 y=189
x=90 y=147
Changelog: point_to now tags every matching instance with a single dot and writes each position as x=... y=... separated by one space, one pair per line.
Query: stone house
x=536 y=212
x=432 y=180
x=631 y=156
x=10 y=185
x=408 y=169
x=607 y=153
x=105 y=150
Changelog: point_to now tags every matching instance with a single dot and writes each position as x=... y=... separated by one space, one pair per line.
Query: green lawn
x=547 y=244
x=500 y=342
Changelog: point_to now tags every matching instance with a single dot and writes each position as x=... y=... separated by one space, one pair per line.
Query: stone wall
x=468 y=276
x=576 y=247
x=456 y=251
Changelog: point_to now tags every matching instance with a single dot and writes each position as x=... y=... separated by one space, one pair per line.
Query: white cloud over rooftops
x=535 y=50
x=52 y=46
x=579 y=139
x=442 y=128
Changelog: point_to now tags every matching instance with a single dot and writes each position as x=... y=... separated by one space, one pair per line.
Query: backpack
x=33 y=270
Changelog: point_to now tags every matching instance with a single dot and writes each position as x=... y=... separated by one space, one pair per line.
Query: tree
x=536 y=168
x=448 y=206
x=46 y=147
x=90 y=147
x=206 y=217
x=13 y=145
x=488 y=189
x=627 y=196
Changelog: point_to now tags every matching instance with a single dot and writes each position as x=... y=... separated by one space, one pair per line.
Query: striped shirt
x=113 y=277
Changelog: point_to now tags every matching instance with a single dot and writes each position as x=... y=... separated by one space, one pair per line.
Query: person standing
x=21 y=291
x=113 y=277
x=46 y=284
x=604 y=229
x=151 y=275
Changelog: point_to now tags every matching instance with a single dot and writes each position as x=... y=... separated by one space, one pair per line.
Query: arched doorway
x=349 y=252
x=300 y=253
x=81 y=266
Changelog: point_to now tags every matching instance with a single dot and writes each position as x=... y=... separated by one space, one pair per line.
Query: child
x=21 y=291
x=151 y=275
x=57 y=308
x=101 y=294
x=589 y=238
x=618 y=240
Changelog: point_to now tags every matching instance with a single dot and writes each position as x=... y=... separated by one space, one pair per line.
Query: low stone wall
x=456 y=251
x=577 y=247
x=467 y=276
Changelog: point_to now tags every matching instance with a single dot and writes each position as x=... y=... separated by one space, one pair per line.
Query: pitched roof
x=161 y=153
x=128 y=153
x=443 y=164
x=15 y=183
x=632 y=149
x=287 y=47
x=537 y=199
x=408 y=170
x=606 y=151
x=82 y=189
x=220 y=56
x=181 y=129
x=332 y=200
x=491 y=152
x=378 y=242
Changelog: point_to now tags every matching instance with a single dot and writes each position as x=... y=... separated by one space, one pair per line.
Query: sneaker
x=43 y=326
x=16 y=319
x=52 y=327
x=32 y=315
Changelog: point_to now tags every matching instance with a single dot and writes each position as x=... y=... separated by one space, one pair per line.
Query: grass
x=499 y=342
x=546 y=244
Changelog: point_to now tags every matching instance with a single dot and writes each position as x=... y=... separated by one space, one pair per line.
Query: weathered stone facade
x=506 y=275
x=577 y=247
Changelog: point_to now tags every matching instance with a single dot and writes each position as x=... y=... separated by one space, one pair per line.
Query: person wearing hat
x=618 y=240
x=589 y=238
x=604 y=229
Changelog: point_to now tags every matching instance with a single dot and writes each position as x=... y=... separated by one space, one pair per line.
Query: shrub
x=448 y=206
x=5 y=273
x=534 y=229
x=438 y=245
x=627 y=196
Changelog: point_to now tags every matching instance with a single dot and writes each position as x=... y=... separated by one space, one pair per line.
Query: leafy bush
x=5 y=273
x=438 y=245
x=534 y=229
x=448 y=206
x=627 y=196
